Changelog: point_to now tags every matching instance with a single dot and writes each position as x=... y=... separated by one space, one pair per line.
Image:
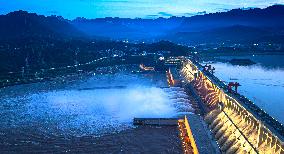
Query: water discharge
x=92 y=107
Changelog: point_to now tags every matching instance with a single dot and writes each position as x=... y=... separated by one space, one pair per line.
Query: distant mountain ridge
x=235 y=25
x=231 y=34
x=126 y=28
x=272 y=16
x=36 y=41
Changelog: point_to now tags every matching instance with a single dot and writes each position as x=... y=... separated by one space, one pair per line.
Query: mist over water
x=94 y=106
x=265 y=87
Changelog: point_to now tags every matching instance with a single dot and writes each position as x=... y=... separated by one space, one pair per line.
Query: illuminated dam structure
x=238 y=125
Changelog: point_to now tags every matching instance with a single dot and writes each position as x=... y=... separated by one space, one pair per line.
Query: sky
x=128 y=8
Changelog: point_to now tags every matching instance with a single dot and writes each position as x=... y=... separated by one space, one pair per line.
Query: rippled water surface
x=98 y=105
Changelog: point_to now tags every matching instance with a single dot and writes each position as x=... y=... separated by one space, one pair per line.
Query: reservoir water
x=262 y=83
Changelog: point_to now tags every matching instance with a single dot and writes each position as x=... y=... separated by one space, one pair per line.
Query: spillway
x=237 y=124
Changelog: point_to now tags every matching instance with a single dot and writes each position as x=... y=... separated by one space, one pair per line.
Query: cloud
x=222 y=10
x=152 y=16
x=165 y=14
x=159 y=14
x=195 y=13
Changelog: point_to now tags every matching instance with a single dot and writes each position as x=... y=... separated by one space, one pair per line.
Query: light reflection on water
x=95 y=106
x=265 y=87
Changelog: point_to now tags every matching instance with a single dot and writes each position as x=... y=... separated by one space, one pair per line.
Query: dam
x=238 y=125
x=181 y=109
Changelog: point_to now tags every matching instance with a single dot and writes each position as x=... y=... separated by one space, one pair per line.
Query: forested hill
x=272 y=17
x=21 y=24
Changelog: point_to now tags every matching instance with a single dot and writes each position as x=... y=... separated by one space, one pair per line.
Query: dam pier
x=236 y=123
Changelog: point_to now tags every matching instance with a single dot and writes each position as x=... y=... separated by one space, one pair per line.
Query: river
x=97 y=105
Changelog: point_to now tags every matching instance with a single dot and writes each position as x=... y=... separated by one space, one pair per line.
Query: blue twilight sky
x=128 y=8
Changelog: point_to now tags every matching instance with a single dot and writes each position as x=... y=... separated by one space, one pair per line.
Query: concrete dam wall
x=238 y=125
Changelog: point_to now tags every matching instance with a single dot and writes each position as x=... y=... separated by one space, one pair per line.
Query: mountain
x=235 y=26
x=126 y=28
x=255 y=23
x=21 y=24
x=230 y=34
x=271 y=17
x=238 y=25
x=35 y=41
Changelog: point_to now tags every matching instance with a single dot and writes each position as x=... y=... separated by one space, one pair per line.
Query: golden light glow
x=143 y=67
x=188 y=141
x=236 y=129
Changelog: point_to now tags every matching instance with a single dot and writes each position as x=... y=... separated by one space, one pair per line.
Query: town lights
x=162 y=58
